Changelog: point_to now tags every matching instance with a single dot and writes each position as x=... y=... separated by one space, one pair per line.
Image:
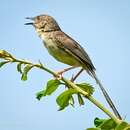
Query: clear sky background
x=101 y=27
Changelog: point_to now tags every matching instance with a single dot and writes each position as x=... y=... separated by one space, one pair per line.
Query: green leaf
x=5 y=55
x=93 y=129
x=19 y=67
x=122 y=126
x=3 y=63
x=63 y=99
x=104 y=124
x=52 y=85
x=98 y=122
x=80 y=99
x=40 y=94
x=25 y=72
x=71 y=101
x=127 y=128
x=107 y=125
x=24 y=77
x=86 y=87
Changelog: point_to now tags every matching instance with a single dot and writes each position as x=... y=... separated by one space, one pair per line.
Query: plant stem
x=37 y=65
x=99 y=105
x=70 y=83
x=94 y=101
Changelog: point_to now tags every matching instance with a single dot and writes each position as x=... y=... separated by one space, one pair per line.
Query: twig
x=71 y=84
x=8 y=57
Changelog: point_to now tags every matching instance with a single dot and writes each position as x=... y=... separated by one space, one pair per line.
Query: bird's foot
x=60 y=73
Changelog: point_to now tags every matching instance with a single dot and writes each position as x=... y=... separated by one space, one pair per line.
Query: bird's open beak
x=30 y=18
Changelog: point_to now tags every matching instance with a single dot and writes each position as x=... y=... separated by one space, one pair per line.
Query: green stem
x=99 y=105
x=84 y=93
x=94 y=101
x=38 y=66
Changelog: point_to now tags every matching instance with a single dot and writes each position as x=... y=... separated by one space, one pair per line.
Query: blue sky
x=101 y=27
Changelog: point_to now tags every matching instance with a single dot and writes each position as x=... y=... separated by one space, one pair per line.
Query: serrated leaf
x=86 y=87
x=63 y=99
x=27 y=68
x=80 y=99
x=3 y=63
x=122 y=126
x=19 y=67
x=40 y=94
x=52 y=85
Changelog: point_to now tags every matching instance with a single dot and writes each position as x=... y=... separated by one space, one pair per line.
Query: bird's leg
x=73 y=78
x=63 y=71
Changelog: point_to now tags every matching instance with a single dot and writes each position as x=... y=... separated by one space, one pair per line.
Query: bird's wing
x=66 y=42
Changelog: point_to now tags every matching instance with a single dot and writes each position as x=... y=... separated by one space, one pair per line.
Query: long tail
x=107 y=97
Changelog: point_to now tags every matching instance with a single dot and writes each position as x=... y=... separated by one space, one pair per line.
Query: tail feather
x=107 y=97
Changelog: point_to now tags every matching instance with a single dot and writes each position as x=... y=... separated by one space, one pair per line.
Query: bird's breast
x=58 y=53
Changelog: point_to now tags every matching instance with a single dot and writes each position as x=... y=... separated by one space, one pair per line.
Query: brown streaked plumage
x=66 y=50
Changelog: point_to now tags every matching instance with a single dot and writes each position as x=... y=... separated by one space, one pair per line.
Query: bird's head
x=44 y=23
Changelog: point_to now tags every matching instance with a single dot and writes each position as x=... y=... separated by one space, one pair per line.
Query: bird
x=66 y=50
